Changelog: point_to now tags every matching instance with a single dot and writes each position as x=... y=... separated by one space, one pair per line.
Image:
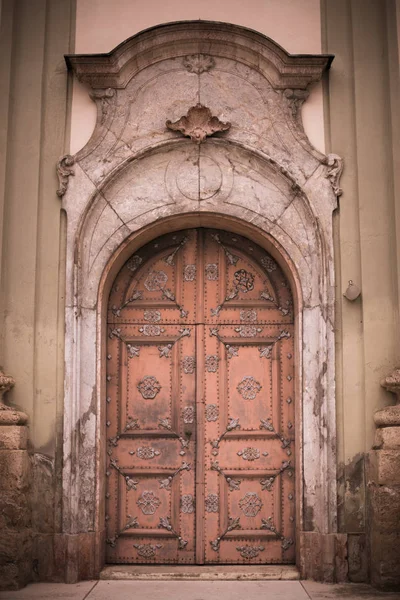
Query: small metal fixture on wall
x=352 y=292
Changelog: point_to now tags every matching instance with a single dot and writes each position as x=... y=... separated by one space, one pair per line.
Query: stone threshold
x=201 y=573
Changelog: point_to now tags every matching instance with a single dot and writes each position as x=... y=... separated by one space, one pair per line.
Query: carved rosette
x=198 y=124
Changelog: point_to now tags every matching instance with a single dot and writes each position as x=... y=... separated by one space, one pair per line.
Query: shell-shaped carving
x=198 y=124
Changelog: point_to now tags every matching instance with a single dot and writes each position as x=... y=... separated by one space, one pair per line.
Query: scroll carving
x=334 y=172
x=64 y=170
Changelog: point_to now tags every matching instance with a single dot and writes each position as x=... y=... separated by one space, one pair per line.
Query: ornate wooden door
x=200 y=404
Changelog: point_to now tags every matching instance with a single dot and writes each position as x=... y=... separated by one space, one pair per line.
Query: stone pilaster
x=15 y=477
x=384 y=492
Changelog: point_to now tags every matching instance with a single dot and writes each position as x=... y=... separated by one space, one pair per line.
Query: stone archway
x=136 y=179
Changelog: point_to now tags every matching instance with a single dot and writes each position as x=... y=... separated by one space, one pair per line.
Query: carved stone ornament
x=198 y=124
x=8 y=415
x=334 y=172
x=63 y=172
x=390 y=415
x=198 y=63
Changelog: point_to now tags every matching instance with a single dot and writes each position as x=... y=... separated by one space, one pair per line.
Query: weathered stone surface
x=15 y=510
x=15 y=470
x=385 y=560
x=15 y=559
x=357 y=558
x=13 y=437
x=387 y=438
x=385 y=508
x=384 y=467
x=388 y=417
x=324 y=557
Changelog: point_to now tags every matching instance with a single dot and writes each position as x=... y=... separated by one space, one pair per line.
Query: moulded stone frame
x=87 y=288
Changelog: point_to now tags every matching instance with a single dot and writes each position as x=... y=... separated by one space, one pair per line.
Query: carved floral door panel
x=200 y=404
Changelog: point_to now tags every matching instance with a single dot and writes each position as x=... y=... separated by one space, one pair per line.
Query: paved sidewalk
x=197 y=590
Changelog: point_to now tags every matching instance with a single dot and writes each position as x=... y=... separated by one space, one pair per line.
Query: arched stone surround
x=135 y=180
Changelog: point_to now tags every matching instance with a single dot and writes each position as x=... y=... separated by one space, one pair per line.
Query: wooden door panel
x=151 y=445
x=200 y=404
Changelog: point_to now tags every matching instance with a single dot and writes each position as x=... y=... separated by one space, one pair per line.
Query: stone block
x=385 y=560
x=384 y=467
x=15 y=511
x=15 y=559
x=13 y=437
x=357 y=558
x=384 y=504
x=324 y=556
x=15 y=470
x=387 y=438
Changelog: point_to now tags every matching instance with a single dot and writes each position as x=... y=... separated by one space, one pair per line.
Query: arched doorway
x=200 y=404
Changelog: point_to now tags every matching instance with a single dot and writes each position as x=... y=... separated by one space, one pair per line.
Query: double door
x=200 y=404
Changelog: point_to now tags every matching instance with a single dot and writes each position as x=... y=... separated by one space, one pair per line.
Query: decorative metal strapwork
x=137 y=295
x=267 y=424
x=131 y=484
x=266 y=351
x=234 y=484
x=166 y=482
x=165 y=523
x=243 y=282
x=251 y=504
x=267 y=483
x=165 y=351
x=250 y=552
x=268 y=524
x=231 y=351
x=232 y=259
x=147 y=550
x=232 y=524
x=232 y=424
x=148 y=502
x=131 y=524
x=166 y=424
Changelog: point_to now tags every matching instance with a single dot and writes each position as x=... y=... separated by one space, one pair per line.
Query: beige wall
x=101 y=25
x=33 y=39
